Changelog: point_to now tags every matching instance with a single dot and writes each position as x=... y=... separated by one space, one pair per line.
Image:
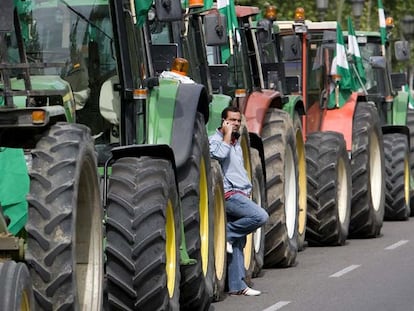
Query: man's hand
x=227 y=129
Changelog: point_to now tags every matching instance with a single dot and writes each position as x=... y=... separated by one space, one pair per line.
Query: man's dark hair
x=227 y=109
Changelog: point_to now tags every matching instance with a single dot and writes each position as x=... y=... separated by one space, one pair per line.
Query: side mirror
x=402 y=50
x=168 y=10
x=6 y=16
x=219 y=74
x=264 y=31
x=378 y=62
x=291 y=46
x=215 y=28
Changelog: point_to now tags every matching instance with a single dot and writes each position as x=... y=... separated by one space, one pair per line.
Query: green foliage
x=339 y=10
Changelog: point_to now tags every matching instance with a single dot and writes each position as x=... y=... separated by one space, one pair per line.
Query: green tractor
x=152 y=220
x=181 y=40
x=392 y=104
x=56 y=238
x=201 y=27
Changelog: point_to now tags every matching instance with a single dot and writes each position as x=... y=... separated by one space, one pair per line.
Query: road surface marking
x=277 y=306
x=395 y=245
x=344 y=271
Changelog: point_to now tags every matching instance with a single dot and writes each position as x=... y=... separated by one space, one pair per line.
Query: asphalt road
x=364 y=275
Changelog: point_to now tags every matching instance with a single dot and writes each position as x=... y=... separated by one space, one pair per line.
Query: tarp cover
x=14 y=186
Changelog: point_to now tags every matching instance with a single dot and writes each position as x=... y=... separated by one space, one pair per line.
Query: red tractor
x=344 y=145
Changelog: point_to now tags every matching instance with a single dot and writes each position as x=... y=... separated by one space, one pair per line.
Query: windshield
x=372 y=75
x=64 y=37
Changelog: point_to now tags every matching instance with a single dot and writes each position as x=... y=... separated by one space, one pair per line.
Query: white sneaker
x=246 y=292
x=251 y=292
x=229 y=248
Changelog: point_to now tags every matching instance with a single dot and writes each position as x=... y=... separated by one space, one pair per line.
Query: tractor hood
x=52 y=85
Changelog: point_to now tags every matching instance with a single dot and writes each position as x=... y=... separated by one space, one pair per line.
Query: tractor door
x=320 y=55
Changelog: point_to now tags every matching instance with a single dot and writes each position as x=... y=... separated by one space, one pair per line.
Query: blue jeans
x=243 y=217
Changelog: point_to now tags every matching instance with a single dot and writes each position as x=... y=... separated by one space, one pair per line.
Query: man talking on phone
x=243 y=215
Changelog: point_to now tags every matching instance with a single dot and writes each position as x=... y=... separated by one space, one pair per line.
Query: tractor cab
x=61 y=56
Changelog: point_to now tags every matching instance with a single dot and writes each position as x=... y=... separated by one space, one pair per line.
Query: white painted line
x=344 y=271
x=277 y=306
x=395 y=245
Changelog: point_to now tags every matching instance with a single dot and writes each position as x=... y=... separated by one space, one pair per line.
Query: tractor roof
x=288 y=25
x=246 y=11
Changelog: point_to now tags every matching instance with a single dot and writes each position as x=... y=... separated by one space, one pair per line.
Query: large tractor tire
x=410 y=125
x=300 y=153
x=16 y=293
x=143 y=235
x=368 y=180
x=220 y=221
x=64 y=227
x=397 y=177
x=281 y=163
x=329 y=189
x=196 y=196
x=258 y=196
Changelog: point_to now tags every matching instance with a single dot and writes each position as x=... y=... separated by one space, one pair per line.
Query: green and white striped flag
x=383 y=30
x=208 y=4
x=342 y=89
x=353 y=49
x=227 y=8
x=142 y=7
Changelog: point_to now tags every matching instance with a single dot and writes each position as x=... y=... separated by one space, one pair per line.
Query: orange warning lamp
x=180 y=66
x=140 y=93
x=193 y=4
x=240 y=93
x=300 y=15
x=38 y=117
x=389 y=23
x=271 y=13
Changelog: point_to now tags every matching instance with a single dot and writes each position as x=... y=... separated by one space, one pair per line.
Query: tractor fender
x=151 y=150
x=217 y=105
x=399 y=108
x=256 y=107
x=341 y=120
x=191 y=98
x=400 y=129
x=295 y=104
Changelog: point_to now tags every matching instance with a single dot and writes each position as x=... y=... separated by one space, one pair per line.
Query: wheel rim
x=257 y=234
x=25 y=305
x=219 y=232
x=375 y=173
x=170 y=250
x=204 y=219
x=89 y=240
x=246 y=156
x=302 y=182
x=407 y=181
x=342 y=191
x=247 y=251
x=290 y=193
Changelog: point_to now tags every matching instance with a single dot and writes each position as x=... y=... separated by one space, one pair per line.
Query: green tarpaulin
x=14 y=186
